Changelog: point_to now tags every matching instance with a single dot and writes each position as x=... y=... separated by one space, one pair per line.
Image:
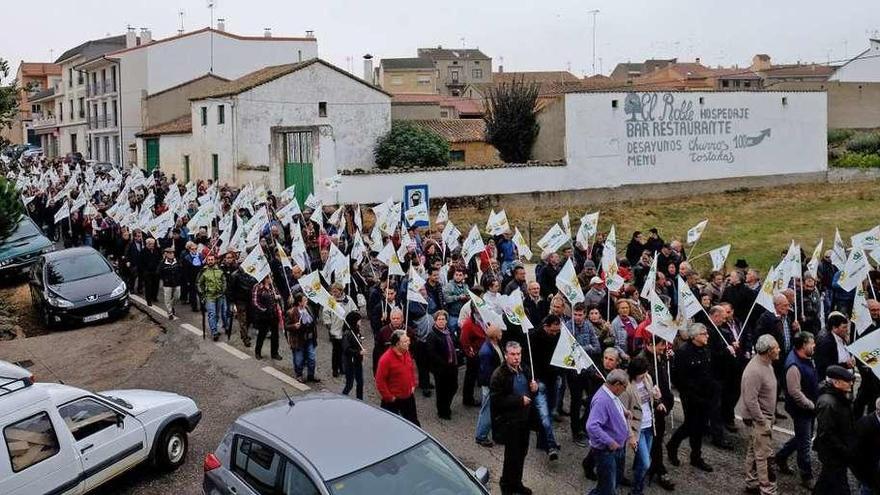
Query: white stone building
x=118 y=81
x=294 y=123
x=864 y=67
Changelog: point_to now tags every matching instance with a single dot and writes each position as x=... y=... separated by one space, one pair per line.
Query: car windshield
x=25 y=230
x=425 y=469
x=117 y=401
x=76 y=268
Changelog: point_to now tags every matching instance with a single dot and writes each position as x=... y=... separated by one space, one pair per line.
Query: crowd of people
x=733 y=357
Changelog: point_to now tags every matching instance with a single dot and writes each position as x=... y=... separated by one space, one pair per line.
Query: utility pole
x=211 y=4
x=180 y=15
x=594 y=12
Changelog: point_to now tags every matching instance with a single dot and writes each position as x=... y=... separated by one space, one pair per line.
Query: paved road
x=226 y=381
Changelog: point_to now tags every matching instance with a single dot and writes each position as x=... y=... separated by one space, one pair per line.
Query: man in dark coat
x=831 y=346
x=544 y=340
x=511 y=392
x=777 y=324
x=866 y=466
x=835 y=432
x=535 y=305
x=738 y=295
x=869 y=389
x=150 y=259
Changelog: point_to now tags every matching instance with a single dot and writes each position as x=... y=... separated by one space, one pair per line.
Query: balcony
x=101 y=123
x=40 y=121
x=101 y=88
x=454 y=82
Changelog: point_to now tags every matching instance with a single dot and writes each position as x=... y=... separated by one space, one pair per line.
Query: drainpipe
x=119 y=113
x=232 y=111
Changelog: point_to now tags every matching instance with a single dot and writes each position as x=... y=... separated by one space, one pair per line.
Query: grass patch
x=758 y=223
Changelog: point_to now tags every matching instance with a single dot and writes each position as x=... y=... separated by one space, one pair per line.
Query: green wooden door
x=298 y=164
x=152 y=154
x=215 y=167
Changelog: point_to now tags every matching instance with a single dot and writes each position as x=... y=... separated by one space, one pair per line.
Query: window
x=424 y=80
x=204 y=111
x=221 y=114
x=79 y=78
x=70 y=78
x=453 y=74
x=186 y=168
x=257 y=465
x=113 y=77
x=104 y=114
x=85 y=417
x=444 y=114
x=477 y=73
x=296 y=482
x=725 y=84
x=215 y=166
x=82 y=107
x=104 y=80
x=322 y=109
x=747 y=84
x=476 y=62
x=97 y=148
x=71 y=109
x=456 y=155
x=613 y=103
x=61 y=110
x=73 y=147
x=107 y=148
x=30 y=441
x=396 y=81
x=115 y=114
x=116 y=150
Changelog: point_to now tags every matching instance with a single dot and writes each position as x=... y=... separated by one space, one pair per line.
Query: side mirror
x=120 y=420
x=482 y=475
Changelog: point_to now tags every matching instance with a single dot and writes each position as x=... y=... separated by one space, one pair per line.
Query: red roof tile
x=181 y=125
x=456 y=130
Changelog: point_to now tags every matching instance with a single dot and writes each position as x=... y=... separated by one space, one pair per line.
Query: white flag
x=388 y=256
x=867 y=350
x=522 y=247
x=315 y=292
x=450 y=236
x=358 y=249
x=358 y=219
x=515 y=310
x=566 y=225
x=589 y=225
x=297 y=245
x=861 y=316
x=282 y=256
x=609 y=261
x=813 y=265
x=569 y=354
x=472 y=245
x=334 y=264
x=567 y=283
x=417 y=214
x=288 y=194
x=336 y=217
x=256 y=265
x=838 y=252
x=687 y=301
x=719 y=256
x=854 y=271
x=287 y=213
x=62 y=212
x=650 y=281
x=792 y=261
x=696 y=231
x=497 y=223
x=332 y=183
x=442 y=215
x=390 y=220
x=868 y=240
x=554 y=239
x=662 y=324
x=768 y=290
x=314 y=203
x=415 y=284
x=486 y=312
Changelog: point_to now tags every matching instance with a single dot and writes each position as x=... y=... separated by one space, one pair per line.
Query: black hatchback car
x=76 y=286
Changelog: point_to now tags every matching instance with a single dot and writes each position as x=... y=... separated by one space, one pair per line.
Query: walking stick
x=202 y=304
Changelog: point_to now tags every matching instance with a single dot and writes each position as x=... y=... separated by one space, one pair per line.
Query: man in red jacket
x=472 y=338
x=396 y=378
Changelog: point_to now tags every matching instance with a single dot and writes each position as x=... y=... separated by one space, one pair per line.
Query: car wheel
x=172 y=448
x=47 y=318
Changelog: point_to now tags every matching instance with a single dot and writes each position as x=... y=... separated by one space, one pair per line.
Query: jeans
x=171 y=294
x=800 y=442
x=546 y=437
x=212 y=308
x=642 y=461
x=224 y=314
x=304 y=357
x=354 y=372
x=608 y=465
x=484 y=420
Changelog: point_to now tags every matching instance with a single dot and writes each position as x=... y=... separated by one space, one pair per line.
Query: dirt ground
x=18 y=297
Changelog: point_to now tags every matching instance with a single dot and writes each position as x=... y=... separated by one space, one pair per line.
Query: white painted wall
x=596 y=150
x=864 y=68
x=172 y=148
x=356 y=116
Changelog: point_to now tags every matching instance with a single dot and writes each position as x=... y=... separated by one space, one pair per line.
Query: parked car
x=105 y=167
x=13 y=377
x=32 y=152
x=65 y=440
x=76 y=285
x=23 y=247
x=330 y=444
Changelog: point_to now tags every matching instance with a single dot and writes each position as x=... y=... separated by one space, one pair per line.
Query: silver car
x=332 y=445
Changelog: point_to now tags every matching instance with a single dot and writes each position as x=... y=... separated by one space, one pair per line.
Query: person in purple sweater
x=608 y=432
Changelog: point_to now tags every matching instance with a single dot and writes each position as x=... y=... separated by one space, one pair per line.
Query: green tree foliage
x=407 y=145
x=8 y=98
x=11 y=208
x=511 y=120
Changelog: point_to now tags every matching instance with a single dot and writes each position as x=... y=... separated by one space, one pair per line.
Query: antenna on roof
x=289 y=399
x=180 y=15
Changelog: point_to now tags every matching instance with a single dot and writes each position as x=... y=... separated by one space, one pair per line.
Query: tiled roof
x=802 y=70
x=406 y=63
x=464 y=106
x=736 y=74
x=94 y=48
x=181 y=125
x=534 y=76
x=215 y=77
x=32 y=69
x=441 y=53
x=216 y=32
x=268 y=74
x=456 y=130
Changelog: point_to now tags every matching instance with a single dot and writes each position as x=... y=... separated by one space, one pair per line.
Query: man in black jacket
x=241 y=289
x=778 y=324
x=692 y=375
x=169 y=273
x=831 y=346
x=866 y=466
x=738 y=295
x=835 y=432
x=535 y=305
x=544 y=340
x=150 y=259
x=511 y=392
x=723 y=347
x=655 y=354
x=869 y=389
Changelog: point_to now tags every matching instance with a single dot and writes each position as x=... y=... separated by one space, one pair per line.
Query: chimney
x=697 y=60
x=501 y=69
x=130 y=38
x=310 y=33
x=146 y=36
x=221 y=25
x=267 y=32
x=368 y=68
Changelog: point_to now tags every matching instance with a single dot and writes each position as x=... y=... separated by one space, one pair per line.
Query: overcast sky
x=528 y=34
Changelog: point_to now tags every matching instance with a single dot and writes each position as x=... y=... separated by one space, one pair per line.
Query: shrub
x=864 y=143
x=11 y=208
x=408 y=145
x=858 y=160
x=838 y=136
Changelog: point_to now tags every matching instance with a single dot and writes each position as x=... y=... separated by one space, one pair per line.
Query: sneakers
x=216 y=337
x=580 y=440
x=553 y=454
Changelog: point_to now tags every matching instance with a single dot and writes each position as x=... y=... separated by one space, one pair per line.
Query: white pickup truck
x=64 y=440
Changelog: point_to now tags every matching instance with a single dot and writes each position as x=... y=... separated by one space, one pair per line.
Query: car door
x=108 y=441
x=259 y=469
x=39 y=455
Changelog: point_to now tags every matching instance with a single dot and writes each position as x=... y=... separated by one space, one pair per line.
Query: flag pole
x=803 y=313
x=529 y=348
x=693 y=247
x=690 y=258
x=714 y=325
x=746 y=322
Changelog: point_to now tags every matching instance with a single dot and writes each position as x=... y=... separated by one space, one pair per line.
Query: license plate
x=99 y=316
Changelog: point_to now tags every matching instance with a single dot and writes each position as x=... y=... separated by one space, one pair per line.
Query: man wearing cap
x=835 y=431
x=170 y=273
x=596 y=295
x=535 y=305
x=757 y=406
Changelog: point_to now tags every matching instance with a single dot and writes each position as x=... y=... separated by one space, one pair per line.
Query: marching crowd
x=732 y=358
